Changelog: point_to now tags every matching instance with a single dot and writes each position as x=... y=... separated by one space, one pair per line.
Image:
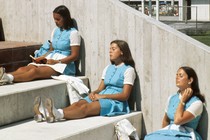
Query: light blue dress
x=113 y=81
x=183 y=133
x=61 y=45
x=61 y=48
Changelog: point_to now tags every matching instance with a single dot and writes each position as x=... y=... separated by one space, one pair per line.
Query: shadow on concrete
x=202 y=128
x=2 y=38
x=80 y=63
x=134 y=100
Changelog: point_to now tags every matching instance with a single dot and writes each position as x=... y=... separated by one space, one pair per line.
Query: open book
x=39 y=60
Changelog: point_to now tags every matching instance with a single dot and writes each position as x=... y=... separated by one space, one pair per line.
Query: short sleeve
x=104 y=72
x=167 y=103
x=196 y=108
x=130 y=76
x=52 y=34
x=75 y=38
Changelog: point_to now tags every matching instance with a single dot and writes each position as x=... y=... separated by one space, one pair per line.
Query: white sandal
x=38 y=110
x=50 y=106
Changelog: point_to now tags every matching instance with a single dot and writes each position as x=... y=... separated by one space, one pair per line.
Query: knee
x=84 y=109
x=33 y=70
x=22 y=69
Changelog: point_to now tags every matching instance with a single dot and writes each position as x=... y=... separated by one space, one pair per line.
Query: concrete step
x=92 y=128
x=16 y=119
x=16 y=100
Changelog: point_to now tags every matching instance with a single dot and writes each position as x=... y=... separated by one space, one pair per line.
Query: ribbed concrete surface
x=92 y=128
x=17 y=99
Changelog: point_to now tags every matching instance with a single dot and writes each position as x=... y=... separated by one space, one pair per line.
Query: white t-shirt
x=196 y=108
x=129 y=74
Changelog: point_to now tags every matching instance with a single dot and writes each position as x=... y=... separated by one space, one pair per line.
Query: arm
x=182 y=116
x=74 y=47
x=129 y=78
x=165 y=121
x=100 y=88
x=74 y=55
x=123 y=96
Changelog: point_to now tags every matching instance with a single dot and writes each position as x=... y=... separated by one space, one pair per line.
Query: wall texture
x=158 y=50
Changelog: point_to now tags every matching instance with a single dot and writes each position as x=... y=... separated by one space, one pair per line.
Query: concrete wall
x=158 y=50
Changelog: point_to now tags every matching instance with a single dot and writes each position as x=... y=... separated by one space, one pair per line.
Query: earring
x=189 y=83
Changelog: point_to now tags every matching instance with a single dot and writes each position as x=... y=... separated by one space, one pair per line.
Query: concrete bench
x=92 y=128
x=16 y=100
x=16 y=119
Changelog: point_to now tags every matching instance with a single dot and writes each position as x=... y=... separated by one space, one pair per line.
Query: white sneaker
x=3 y=81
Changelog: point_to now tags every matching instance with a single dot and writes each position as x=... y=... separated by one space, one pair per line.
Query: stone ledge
x=17 y=99
x=91 y=128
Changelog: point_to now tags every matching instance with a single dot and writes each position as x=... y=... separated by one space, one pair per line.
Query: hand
x=40 y=60
x=187 y=94
x=92 y=96
x=51 y=61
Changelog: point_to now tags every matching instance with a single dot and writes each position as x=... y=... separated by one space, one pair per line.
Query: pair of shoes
x=45 y=112
x=40 y=113
x=2 y=72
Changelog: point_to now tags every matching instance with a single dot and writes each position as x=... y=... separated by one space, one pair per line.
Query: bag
x=125 y=130
x=44 y=50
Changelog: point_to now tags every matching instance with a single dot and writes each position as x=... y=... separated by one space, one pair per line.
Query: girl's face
x=58 y=20
x=115 y=53
x=182 y=81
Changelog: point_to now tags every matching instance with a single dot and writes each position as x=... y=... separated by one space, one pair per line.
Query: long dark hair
x=194 y=85
x=64 y=12
x=126 y=57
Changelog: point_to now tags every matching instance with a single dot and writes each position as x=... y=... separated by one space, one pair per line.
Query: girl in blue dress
x=183 y=110
x=60 y=60
x=112 y=94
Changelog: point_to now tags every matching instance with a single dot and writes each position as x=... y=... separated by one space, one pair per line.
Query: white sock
x=43 y=110
x=11 y=77
x=58 y=113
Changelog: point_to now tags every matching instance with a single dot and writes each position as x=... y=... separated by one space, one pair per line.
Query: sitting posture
x=60 y=58
x=183 y=110
x=111 y=96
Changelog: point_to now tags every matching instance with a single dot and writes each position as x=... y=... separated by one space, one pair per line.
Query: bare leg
x=25 y=74
x=75 y=105
x=81 y=111
x=22 y=70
